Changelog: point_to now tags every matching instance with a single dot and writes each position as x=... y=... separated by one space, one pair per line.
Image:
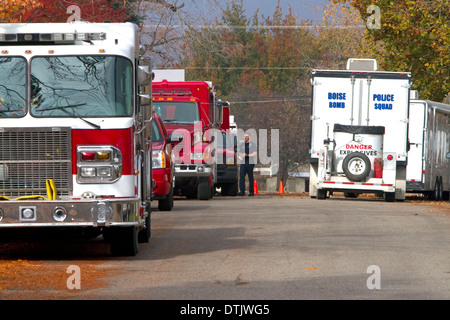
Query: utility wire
x=267 y=101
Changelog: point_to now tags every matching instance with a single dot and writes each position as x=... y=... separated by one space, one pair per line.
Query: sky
x=304 y=9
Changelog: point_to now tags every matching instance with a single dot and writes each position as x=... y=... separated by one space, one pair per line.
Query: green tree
x=413 y=36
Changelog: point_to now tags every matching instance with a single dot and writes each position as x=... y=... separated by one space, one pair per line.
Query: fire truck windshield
x=81 y=86
x=12 y=87
x=177 y=111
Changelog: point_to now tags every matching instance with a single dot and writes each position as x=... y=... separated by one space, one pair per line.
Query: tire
x=145 y=234
x=389 y=196
x=437 y=193
x=124 y=241
x=167 y=203
x=321 y=194
x=203 y=191
x=356 y=166
x=233 y=189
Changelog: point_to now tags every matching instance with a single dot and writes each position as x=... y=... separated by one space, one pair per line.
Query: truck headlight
x=98 y=164
x=158 y=159
x=230 y=160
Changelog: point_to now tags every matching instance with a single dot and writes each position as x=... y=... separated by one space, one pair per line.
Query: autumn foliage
x=57 y=10
x=413 y=36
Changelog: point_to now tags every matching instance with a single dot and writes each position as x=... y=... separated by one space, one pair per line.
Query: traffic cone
x=255 y=187
x=281 y=189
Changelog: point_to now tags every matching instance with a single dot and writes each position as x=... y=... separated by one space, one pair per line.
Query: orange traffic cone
x=255 y=187
x=281 y=189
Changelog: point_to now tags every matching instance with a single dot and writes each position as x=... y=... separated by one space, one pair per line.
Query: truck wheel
x=124 y=241
x=167 y=203
x=203 y=191
x=356 y=166
x=145 y=234
x=233 y=189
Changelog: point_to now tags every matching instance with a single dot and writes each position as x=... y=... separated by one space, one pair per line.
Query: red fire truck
x=190 y=112
x=75 y=131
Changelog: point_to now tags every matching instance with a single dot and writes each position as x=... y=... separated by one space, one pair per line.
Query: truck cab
x=190 y=111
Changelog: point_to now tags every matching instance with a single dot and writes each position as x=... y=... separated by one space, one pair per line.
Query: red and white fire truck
x=75 y=130
x=190 y=112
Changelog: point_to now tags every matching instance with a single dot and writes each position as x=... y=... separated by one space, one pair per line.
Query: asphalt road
x=267 y=247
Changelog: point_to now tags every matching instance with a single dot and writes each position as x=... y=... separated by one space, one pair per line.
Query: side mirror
x=448 y=155
x=144 y=75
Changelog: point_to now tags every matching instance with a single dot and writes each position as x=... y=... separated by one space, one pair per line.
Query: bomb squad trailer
x=359 y=131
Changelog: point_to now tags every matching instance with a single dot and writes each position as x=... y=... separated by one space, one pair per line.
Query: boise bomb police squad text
x=235 y=309
x=337 y=100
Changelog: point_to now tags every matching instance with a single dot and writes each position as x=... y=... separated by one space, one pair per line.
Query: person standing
x=247 y=154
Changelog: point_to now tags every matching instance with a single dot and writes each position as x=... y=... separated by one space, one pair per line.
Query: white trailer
x=359 y=131
x=429 y=156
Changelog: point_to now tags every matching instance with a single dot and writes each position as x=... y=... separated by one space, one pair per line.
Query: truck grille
x=30 y=156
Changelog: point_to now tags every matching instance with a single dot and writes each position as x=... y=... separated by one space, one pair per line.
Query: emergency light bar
x=51 y=37
x=172 y=91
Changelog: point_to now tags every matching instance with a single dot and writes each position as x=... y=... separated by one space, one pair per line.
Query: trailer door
x=414 y=170
x=386 y=103
x=332 y=101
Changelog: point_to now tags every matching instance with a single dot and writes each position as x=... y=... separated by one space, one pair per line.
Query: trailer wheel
x=321 y=194
x=356 y=166
x=437 y=193
x=389 y=196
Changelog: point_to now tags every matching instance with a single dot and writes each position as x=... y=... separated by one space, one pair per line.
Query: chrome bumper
x=192 y=170
x=73 y=213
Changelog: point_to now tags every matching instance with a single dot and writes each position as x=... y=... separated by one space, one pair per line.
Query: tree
x=263 y=67
x=12 y=11
x=56 y=11
x=413 y=36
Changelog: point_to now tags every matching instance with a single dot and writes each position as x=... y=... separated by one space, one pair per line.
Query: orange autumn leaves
x=14 y=11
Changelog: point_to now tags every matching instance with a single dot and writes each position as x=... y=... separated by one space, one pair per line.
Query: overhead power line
x=267 y=101
x=179 y=26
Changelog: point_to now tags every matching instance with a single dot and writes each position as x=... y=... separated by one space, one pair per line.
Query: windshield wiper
x=63 y=108
x=90 y=123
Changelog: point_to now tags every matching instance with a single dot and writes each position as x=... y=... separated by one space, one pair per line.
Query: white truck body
x=428 y=158
x=169 y=75
x=351 y=111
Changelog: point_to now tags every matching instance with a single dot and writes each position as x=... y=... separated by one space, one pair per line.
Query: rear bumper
x=372 y=185
x=72 y=213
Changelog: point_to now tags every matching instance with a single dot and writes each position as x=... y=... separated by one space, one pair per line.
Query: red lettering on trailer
x=358 y=146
